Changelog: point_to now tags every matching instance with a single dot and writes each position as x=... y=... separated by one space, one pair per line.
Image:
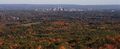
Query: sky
x=79 y=2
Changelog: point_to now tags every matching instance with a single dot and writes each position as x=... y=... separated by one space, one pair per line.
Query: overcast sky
x=80 y=2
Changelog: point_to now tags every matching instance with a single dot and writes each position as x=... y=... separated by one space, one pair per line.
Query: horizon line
x=55 y=4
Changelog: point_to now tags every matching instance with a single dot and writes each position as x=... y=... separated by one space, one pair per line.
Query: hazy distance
x=78 y=2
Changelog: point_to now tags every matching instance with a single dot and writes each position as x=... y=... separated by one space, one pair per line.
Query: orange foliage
x=15 y=46
x=60 y=23
x=39 y=47
x=1 y=42
x=62 y=47
x=110 y=46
